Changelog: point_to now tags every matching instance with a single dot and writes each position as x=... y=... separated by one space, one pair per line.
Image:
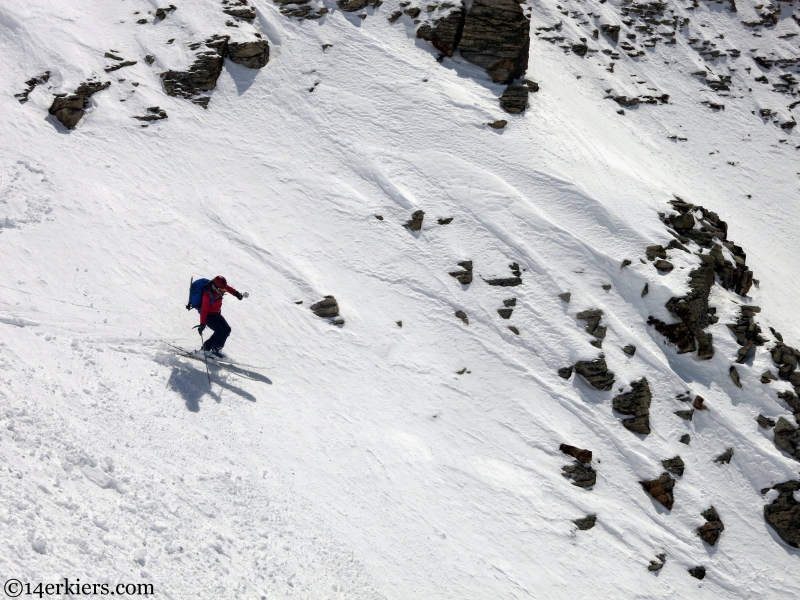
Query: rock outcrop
x=464 y=277
x=661 y=489
x=582 y=475
x=514 y=99
x=70 y=108
x=496 y=36
x=32 y=83
x=747 y=332
x=635 y=403
x=713 y=527
x=674 y=465
x=596 y=373
x=592 y=318
x=253 y=55
x=783 y=515
x=444 y=34
x=154 y=113
x=787 y=438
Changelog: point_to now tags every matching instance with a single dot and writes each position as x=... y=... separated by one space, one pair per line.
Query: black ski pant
x=217 y=323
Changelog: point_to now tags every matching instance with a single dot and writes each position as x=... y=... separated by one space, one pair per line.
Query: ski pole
x=205 y=358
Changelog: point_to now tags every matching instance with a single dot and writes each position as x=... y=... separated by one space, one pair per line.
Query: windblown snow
x=405 y=453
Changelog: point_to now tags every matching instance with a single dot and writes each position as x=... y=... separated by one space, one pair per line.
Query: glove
x=239 y=295
x=200 y=329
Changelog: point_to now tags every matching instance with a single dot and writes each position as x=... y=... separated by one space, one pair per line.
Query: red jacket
x=212 y=303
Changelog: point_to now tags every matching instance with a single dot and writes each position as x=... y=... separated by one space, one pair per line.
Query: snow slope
x=355 y=462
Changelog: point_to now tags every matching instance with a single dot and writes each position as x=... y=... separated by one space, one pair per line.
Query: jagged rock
x=32 y=83
x=630 y=349
x=580 y=49
x=661 y=489
x=579 y=454
x=155 y=114
x=787 y=438
x=69 y=109
x=637 y=404
x=685 y=414
x=746 y=330
x=597 y=343
x=444 y=34
x=508 y=281
x=565 y=372
x=657 y=251
x=625 y=263
x=328 y=307
x=698 y=572
x=664 y=265
x=415 y=222
x=496 y=36
x=149 y=59
x=606 y=286
x=412 y=11
x=783 y=514
x=674 y=465
x=565 y=296
x=725 y=458
x=657 y=565
x=247 y=13
x=677 y=333
x=464 y=277
x=202 y=75
x=463 y=316
x=505 y=313
x=446 y=221
x=791 y=400
x=685 y=439
x=699 y=403
x=645 y=289
x=596 y=373
x=786 y=357
x=498 y=124
x=126 y=63
x=253 y=55
x=592 y=318
x=586 y=523
x=768 y=376
x=611 y=31
x=713 y=528
x=735 y=376
x=582 y=476
x=399 y=323
x=161 y=13
x=394 y=16
x=514 y=99
x=514 y=330
x=765 y=422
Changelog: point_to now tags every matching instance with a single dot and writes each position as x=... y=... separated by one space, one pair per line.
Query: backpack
x=196 y=290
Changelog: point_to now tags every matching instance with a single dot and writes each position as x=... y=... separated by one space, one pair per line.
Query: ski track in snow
x=357 y=463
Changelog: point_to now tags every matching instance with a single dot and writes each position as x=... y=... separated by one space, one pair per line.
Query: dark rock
x=786 y=357
x=685 y=414
x=592 y=318
x=514 y=329
x=725 y=458
x=645 y=290
x=674 y=465
x=565 y=372
x=685 y=439
x=247 y=13
x=462 y=371
x=202 y=74
x=155 y=113
x=565 y=296
x=580 y=454
x=625 y=263
x=630 y=350
x=498 y=124
x=395 y=15
x=496 y=36
x=596 y=373
x=149 y=59
x=791 y=400
x=142 y=22
x=582 y=476
x=586 y=523
x=635 y=403
x=69 y=109
x=698 y=572
x=735 y=376
x=677 y=333
x=783 y=514
x=699 y=403
x=508 y=281
x=505 y=313
x=32 y=83
x=664 y=265
x=412 y=12
x=379 y=217
x=580 y=49
x=444 y=34
x=661 y=489
x=768 y=376
x=464 y=277
x=328 y=307
x=611 y=31
x=606 y=286
x=161 y=13
x=463 y=316
x=713 y=528
x=399 y=323
x=625 y=101
x=510 y=302
x=657 y=565
x=253 y=55
x=415 y=222
x=446 y=221
x=514 y=99
x=597 y=343
x=657 y=251
x=787 y=438
x=765 y=422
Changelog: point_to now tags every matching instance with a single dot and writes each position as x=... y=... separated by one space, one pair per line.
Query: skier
x=211 y=315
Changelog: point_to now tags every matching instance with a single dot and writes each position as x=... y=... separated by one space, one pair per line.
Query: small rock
x=735 y=376
x=699 y=403
x=582 y=476
x=765 y=422
x=657 y=565
x=379 y=217
x=462 y=371
x=768 y=376
x=630 y=350
x=586 y=523
x=698 y=572
x=625 y=263
x=514 y=329
x=637 y=404
x=328 y=307
x=399 y=323
x=597 y=343
x=664 y=266
x=654 y=252
x=685 y=414
x=713 y=528
x=685 y=439
x=725 y=457
x=415 y=222
x=661 y=489
x=463 y=316
x=565 y=372
x=596 y=373
x=446 y=221
x=464 y=277
x=606 y=286
x=505 y=313
x=674 y=465
x=787 y=438
x=565 y=296
x=645 y=289
x=783 y=514
x=580 y=454
x=592 y=318
x=498 y=124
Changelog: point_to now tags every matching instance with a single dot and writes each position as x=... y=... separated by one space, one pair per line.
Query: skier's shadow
x=192 y=385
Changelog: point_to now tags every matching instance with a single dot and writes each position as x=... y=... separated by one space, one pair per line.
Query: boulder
x=565 y=372
x=247 y=13
x=661 y=489
x=783 y=515
x=787 y=438
x=496 y=36
x=69 y=109
x=674 y=465
x=735 y=376
x=202 y=75
x=765 y=422
x=582 y=476
x=592 y=318
x=505 y=313
x=586 y=523
x=580 y=454
x=499 y=124
x=415 y=222
x=637 y=404
x=514 y=99
x=725 y=457
x=685 y=439
x=791 y=400
x=356 y=5
x=253 y=55
x=698 y=572
x=630 y=350
x=508 y=281
x=596 y=373
x=654 y=252
x=686 y=415
x=565 y=296
x=154 y=113
x=444 y=34
x=327 y=307
x=463 y=316
x=161 y=13
x=611 y=31
x=464 y=277
x=659 y=564
x=713 y=527
x=664 y=266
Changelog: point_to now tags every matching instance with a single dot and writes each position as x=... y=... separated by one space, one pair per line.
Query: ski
x=195 y=354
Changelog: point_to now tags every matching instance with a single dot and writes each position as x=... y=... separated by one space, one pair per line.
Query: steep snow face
x=372 y=459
